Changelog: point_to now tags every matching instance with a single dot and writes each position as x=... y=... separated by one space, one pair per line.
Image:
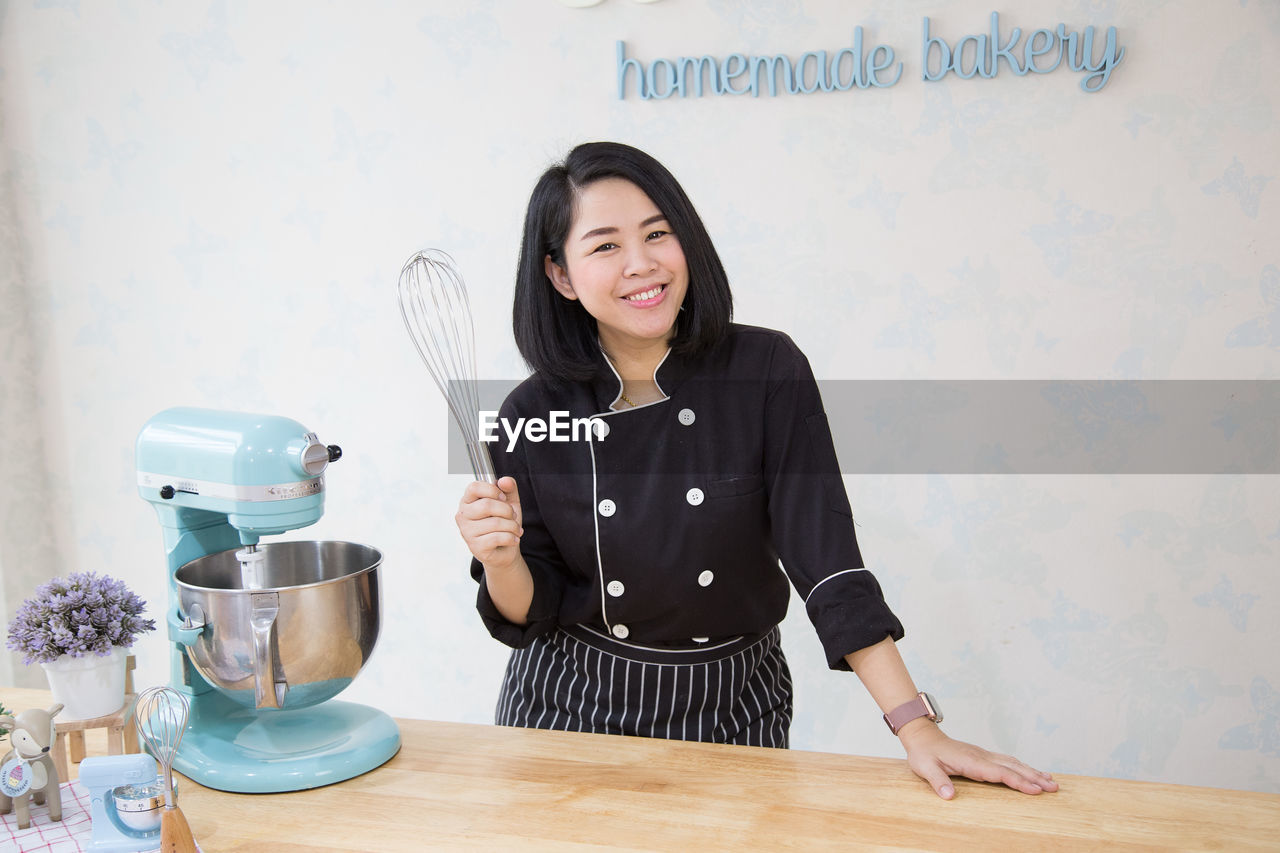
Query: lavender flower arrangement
x=83 y=614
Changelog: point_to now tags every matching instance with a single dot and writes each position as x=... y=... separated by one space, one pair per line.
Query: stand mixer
x=263 y=635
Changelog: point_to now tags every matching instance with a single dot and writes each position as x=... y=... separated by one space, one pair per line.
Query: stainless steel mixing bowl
x=299 y=639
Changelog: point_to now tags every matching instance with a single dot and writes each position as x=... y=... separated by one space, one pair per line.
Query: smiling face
x=625 y=266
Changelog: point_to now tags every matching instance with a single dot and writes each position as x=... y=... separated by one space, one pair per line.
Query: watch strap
x=921 y=706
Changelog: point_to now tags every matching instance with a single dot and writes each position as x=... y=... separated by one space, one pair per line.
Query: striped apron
x=577 y=679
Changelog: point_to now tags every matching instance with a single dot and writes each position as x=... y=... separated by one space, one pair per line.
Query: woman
x=635 y=570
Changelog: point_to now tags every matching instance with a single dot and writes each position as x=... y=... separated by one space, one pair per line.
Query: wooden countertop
x=459 y=786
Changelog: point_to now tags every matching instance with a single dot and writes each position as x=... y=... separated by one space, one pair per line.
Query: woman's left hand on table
x=935 y=758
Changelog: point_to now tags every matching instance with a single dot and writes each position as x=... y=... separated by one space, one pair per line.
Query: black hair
x=555 y=335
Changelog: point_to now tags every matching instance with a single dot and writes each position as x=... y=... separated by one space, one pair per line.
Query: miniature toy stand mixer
x=263 y=635
x=112 y=833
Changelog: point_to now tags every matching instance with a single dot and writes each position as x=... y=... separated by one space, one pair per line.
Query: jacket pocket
x=728 y=487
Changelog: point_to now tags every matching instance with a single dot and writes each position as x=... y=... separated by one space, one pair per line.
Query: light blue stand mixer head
x=263 y=635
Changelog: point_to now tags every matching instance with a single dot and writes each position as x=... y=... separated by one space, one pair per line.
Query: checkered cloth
x=72 y=834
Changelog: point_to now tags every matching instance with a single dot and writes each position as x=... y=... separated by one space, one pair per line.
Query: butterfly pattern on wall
x=1246 y=188
x=1263 y=330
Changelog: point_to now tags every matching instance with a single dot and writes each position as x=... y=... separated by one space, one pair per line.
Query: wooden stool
x=122 y=736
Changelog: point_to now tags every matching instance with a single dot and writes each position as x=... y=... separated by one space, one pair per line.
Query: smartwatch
x=923 y=705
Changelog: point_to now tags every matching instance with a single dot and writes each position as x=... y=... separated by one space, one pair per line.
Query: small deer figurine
x=32 y=734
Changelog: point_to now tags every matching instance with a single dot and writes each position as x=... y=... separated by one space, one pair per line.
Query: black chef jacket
x=668 y=531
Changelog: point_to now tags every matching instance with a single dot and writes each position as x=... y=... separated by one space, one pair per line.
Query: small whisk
x=437 y=313
x=160 y=716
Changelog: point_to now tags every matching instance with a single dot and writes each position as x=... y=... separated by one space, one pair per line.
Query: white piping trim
x=827 y=578
x=697 y=650
x=621 y=384
x=614 y=370
x=595 y=493
x=595 y=523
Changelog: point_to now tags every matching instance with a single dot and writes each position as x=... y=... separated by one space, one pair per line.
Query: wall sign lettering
x=857 y=65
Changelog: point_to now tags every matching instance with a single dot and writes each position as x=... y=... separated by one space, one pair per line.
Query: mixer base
x=233 y=748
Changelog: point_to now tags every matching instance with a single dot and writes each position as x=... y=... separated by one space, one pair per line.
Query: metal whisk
x=160 y=715
x=437 y=313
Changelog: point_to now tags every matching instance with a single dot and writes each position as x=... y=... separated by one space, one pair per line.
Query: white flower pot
x=88 y=687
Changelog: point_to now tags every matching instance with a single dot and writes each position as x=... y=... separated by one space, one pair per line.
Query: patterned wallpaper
x=208 y=204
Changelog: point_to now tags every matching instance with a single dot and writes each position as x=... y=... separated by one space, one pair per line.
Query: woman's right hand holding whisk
x=489 y=520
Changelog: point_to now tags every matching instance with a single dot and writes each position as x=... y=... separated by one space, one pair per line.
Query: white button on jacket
x=706 y=578
x=616 y=588
x=686 y=417
x=694 y=497
x=607 y=507
x=621 y=631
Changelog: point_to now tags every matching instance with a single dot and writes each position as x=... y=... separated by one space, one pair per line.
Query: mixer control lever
x=314 y=456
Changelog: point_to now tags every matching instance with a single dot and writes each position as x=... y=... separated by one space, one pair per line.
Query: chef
x=640 y=571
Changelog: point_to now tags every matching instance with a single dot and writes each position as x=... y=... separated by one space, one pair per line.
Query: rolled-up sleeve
x=849 y=613
x=812 y=523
